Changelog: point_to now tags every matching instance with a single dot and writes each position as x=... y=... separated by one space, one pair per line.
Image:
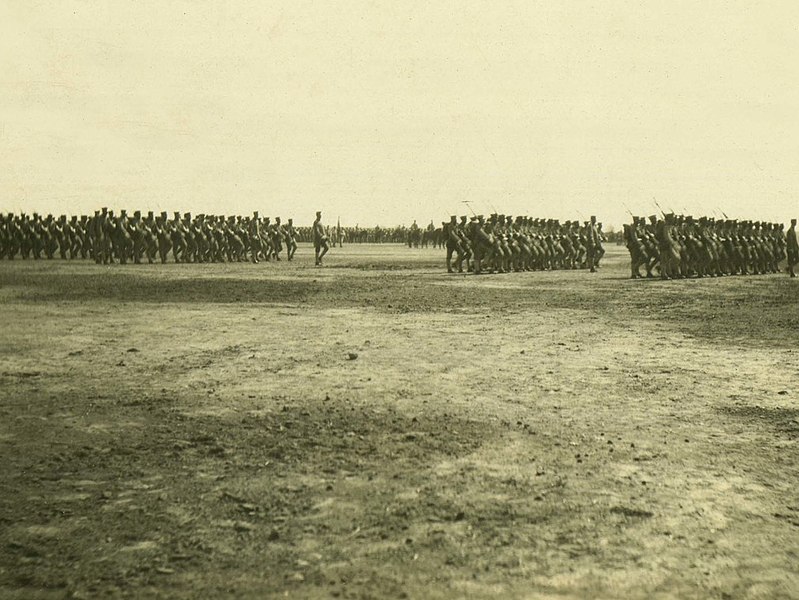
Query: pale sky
x=389 y=111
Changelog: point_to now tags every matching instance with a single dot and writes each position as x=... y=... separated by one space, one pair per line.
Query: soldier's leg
x=138 y=251
x=635 y=263
x=468 y=253
x=37 y=248
x=151 y=245
x=325 y=248
x=450 y=251
x=477 y=257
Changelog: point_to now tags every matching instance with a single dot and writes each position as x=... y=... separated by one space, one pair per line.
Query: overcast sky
x=386 y=111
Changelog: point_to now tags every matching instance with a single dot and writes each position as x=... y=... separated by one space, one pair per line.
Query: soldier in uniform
x=75 y=233
x=320 y=242
x=163 y=235
x=792 y=248
x=453 y=244
x=40 y=236
x=254 y=229
x=61 y=236
x=278 y=234
x=136 y=231
x=638 y=252
x=14 y=236
x=592 y=245
x=291 y=241
x=122 y=240
x=150 y=237
x=463 y=233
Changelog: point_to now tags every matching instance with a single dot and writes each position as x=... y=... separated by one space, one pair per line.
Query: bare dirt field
x=378 y=428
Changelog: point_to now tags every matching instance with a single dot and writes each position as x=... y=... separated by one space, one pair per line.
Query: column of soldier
x=109 y=238
x=680 y=246
x=502 y=243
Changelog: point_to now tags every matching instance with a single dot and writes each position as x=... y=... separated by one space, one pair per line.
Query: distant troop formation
x=680 y=246
x=109 y=238
x=503 y=243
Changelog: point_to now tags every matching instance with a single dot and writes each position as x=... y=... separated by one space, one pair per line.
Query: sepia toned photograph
x=399 y=300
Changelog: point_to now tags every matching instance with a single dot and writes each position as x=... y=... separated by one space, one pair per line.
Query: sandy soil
x=380 y=429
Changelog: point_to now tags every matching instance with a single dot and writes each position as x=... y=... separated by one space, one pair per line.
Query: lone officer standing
x=320 y=243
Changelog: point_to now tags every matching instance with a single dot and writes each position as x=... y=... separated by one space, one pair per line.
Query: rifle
x=629 y=212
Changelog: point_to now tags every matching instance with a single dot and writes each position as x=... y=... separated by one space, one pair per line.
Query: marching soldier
x=792 y=248
x=592 y=245
x=254 y=229
x=291 y=241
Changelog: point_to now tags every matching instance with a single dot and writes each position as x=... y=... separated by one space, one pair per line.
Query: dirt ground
x=378 y=428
